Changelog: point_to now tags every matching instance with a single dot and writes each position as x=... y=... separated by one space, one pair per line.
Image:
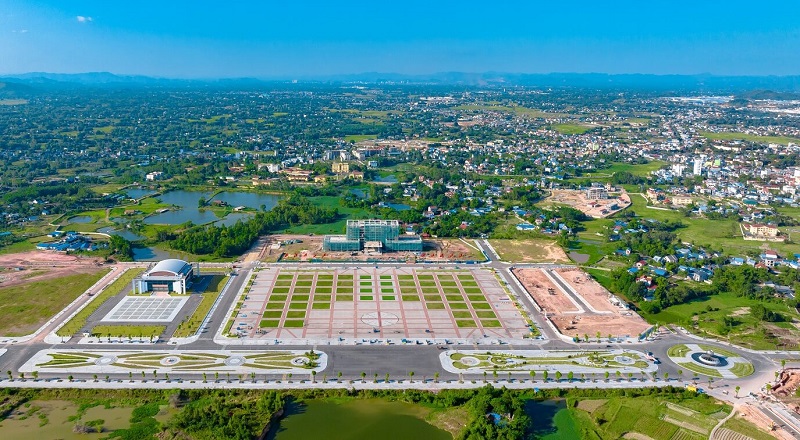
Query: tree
x=411 y=375
x=70 y=378
x=205 y=378
x=606 y=375
x=313 y=376
x=544 y=375
x=35 y=375
x=484 y=376
x=436 y=377
x=339 y=376
x=737 y=391
x=533 y=375
x=558 y=376
x=386 y=378
x=10 y=374
x=363 y=375
x=94 y=376
x=375 y=379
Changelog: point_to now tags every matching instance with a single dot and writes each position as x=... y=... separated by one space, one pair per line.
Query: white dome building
x=166 y=276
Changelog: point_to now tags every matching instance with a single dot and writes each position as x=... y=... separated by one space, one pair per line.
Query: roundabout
x=709 y=360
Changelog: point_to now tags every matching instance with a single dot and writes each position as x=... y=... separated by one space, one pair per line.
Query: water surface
x=356 y=420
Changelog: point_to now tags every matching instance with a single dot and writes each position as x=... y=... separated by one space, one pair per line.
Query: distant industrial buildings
x=372 y=236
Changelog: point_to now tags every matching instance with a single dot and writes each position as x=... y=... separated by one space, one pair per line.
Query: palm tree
x=606 y=375
x=107 y=378
x=544 y=375
x=509 y=376
x=155 y=374
x=494 y=374
x=558 y=376
x=737 y=391
x=253 y=375
x=436 y=377
x=533 y=375
x=22 y=376
x=143 y=375
x=324 y=377
x=363 y=375
x=484 y=376
x=570 y=375
x=204 y=377
x=618 y=374
x=290 y=377
x=386 y=378
x=630 y=377
x=411 y=376
x=313 y=376
x=216 y=376
x=680 y=374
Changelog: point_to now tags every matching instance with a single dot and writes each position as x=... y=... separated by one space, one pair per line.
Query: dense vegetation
x=236 y=239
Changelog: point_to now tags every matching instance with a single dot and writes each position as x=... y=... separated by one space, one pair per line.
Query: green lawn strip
x=193 y=322
x=473 y=291
x=344 y=297
x=321 y=306
x=365 y=298
x=476 y=298
x=481 y=306
x=742 y=369
x=293 y=323
x=125 y=331
x=434 y=305
x=466 y=323
x=273 y=314
x=302 y=290
x=491 y=323
x=79 y=320
x=27 y=306
x=278 y=297
x=318 y=298
x=433 y=297
x=269 y=323
x=747 y=429
x=699 y=369
x=409 y=297
x=275 y=305
x=280 y=290
x=300 y=297
x=388 y=298
x=298 y=306
x=679 y=350
x=285 y=276
x=459 y=306
x=324 y=290
x=454 y=298
x=296 y=314
x=489 y=315
x=467 y=315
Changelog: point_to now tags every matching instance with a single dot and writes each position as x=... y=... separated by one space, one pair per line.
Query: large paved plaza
x=378 y=305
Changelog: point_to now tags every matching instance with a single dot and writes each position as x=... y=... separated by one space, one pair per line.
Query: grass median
x=78 y=321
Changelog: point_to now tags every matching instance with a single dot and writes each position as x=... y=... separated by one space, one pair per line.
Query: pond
x=124 y=233
x=358 y=192
x=138 y=193
x=551 y=420
x=398 y=206
x=190 y=212
x=234 y=217
x=152 y=254
x=356 y=420
x=81 y=219
x=248 y=199
x=386 y=179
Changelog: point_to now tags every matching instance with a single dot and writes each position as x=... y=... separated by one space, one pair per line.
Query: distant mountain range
x=778 y=87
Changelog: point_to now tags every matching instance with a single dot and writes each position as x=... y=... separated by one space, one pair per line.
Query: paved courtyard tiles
x=377 y=304
x=146 y=309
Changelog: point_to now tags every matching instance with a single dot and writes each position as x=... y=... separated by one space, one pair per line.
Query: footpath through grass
x=26 y=307
x=192 y=324
x=78 y=321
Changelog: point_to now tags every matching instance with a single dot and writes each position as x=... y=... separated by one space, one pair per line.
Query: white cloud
x=82 y=19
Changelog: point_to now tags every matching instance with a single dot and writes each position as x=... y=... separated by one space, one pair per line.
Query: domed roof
x=172 y=265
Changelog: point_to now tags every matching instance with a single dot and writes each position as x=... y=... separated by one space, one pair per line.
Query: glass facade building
x=372 y=235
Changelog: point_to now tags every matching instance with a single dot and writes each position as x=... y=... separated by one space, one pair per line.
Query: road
x=399 y=360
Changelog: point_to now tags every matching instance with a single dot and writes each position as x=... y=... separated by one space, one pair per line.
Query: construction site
x=578 y=306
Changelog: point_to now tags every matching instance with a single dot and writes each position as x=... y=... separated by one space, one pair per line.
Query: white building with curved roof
x=166 y=276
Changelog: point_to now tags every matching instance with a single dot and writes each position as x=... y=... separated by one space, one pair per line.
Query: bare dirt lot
x=591 y=291
x=529 y=251
x=580 y=320
x=593 y=208
x=309 y=247
x=549 y=297
x=28 y=267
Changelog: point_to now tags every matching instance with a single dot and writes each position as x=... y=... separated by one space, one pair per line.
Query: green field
x=735 y=136
x=77 y=322
x=571 y=128
x=337 y=227
x=26 y=307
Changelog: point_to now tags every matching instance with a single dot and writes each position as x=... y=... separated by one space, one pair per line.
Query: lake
x=386 y=179
x=189 y=212
x=25 y=423
x=152 y=254
x=551 y=420
x=356 y=420
x=138 y=193
x=124 y=233
x=80 y=219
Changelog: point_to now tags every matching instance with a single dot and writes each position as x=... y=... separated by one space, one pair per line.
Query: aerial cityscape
x=278 y=228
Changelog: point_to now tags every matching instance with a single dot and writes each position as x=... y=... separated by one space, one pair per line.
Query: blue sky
x=208 y=39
